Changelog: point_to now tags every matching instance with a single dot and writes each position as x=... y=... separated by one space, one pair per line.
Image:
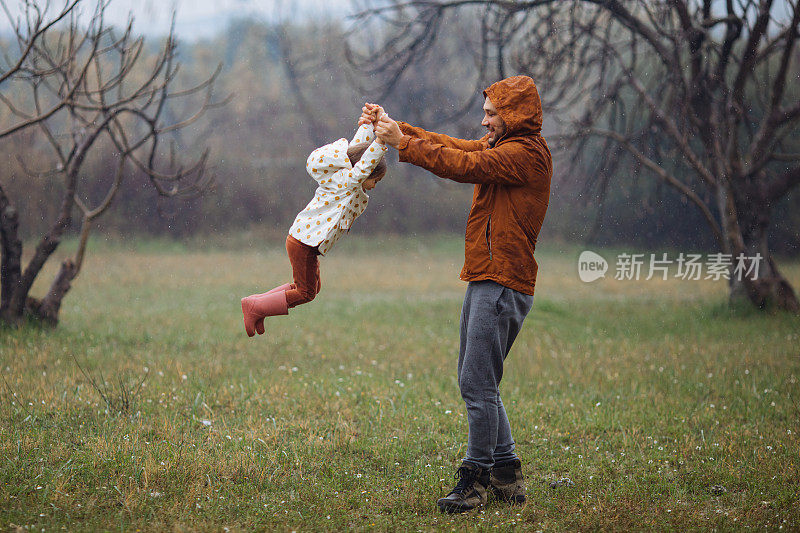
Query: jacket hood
x=326 y=160
x=518 y=104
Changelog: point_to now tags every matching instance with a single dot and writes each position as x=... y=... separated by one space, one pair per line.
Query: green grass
x=346 y=415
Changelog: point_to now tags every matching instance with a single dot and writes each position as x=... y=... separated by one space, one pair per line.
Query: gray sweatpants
x=491 y=318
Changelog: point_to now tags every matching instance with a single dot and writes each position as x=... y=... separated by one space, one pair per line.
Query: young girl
x=344 y=171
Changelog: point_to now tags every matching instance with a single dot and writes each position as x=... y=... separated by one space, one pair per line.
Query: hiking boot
x=507 y=482
x=469 y=492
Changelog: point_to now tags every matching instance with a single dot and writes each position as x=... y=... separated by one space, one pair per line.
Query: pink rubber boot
x=260 y=321
x=259 y=306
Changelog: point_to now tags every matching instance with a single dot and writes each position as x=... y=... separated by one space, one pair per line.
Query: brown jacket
x=512 y=184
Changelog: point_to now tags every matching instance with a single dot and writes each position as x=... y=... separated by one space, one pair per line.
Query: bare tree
x=699 y=94
x=89 y=90
x=28 y=27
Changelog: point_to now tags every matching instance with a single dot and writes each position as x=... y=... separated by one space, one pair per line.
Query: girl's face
x=369 y=183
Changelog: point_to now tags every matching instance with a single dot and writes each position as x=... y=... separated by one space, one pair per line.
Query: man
x=511 y=167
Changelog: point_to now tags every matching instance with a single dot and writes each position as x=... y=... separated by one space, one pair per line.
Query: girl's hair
x=357 y=150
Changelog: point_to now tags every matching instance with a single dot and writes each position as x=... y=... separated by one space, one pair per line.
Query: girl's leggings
x=305 y=271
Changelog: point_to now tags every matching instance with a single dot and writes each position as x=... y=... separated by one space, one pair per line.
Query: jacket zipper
x=489 y=236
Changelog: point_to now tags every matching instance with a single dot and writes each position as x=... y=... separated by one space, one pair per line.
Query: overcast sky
x=201 y=18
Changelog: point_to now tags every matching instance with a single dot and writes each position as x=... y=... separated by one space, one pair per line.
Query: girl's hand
x=388 y=131
x=369 y=114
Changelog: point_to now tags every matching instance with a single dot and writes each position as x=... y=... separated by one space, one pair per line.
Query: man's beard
x=496 y=137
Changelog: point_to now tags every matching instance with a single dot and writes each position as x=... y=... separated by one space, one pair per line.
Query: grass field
x=666 y=409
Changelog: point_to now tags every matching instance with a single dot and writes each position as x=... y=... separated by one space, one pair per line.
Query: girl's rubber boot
x=260 y=321
x=259 y=306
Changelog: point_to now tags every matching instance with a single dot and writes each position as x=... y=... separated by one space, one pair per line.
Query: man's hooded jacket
x=512 y=184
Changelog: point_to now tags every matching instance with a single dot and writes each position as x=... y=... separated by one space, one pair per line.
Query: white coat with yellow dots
x=340 y=198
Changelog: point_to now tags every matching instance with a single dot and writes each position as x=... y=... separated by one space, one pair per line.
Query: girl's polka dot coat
x=339 y=199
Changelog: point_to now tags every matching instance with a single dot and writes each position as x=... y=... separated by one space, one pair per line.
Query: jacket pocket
x=489 y=237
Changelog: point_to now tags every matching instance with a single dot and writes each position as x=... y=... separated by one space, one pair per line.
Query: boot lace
x=466 y=477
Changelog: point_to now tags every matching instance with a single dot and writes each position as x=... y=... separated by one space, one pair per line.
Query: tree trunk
x=11 y=288
x=769 y=289
x=50 y=305
x=11 y=259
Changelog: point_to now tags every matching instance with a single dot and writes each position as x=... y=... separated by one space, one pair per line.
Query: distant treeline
x=293 y=90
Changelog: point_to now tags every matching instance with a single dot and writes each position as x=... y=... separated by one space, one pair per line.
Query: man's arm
x=511 y=163
x=373 y=112
x=445 y=140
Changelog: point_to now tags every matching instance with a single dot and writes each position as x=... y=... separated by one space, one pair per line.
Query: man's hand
x=370 y=114
x=388 y=131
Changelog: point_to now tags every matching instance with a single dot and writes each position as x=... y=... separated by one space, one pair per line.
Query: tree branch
x=661 y=174
x=774 y=116
x=783 y=184
x=38 y=30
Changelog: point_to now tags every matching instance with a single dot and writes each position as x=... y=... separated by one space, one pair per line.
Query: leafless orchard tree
x=700 y=94
x=29 y=32
x=87 y=90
